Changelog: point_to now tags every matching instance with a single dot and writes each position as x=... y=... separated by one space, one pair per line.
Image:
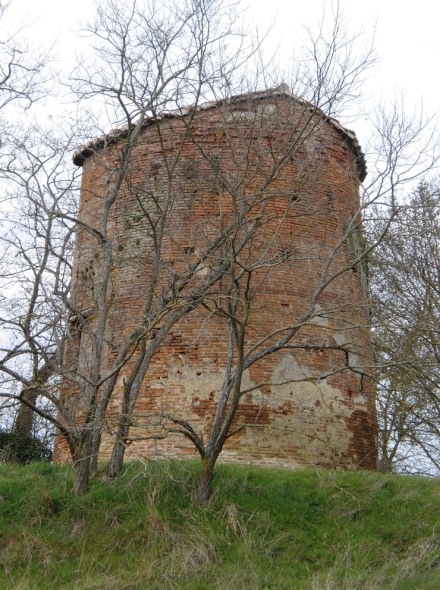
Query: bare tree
x=24 y=80
x=405 y=278
x=263 y=234
x=335 y=62
x=153 y=57
x=36 y=246
x=23 y=73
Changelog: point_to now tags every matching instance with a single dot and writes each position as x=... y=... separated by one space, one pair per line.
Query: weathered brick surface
x=291 y=420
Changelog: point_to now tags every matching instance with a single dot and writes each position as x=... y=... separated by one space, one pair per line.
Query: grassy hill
x=264 y=528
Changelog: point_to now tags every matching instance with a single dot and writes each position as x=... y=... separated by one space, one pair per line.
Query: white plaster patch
x=292 y=385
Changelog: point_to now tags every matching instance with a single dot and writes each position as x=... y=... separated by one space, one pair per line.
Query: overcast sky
x=407 y=38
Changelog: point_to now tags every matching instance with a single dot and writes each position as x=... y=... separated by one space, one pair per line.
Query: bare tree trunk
x=204 y=488
x=24 y=420
x=94 y=452
x=81 y=476
x=118 y=452
x=117 y=458
x=82 y=463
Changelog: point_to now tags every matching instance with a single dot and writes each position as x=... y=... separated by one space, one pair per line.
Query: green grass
x=264 y=529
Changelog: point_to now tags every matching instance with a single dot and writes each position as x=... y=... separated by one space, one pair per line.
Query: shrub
x=19 y=447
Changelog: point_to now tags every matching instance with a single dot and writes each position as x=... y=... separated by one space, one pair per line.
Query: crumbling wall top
x=283 y=91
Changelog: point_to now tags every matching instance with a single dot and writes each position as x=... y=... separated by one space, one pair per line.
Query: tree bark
x=94 y=453
x=204 y=489
x=118 y=452
x=81 y=465
x=117 y=458
x=24 y=420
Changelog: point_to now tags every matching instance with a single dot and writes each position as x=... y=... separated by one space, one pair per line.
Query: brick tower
x=311 y=401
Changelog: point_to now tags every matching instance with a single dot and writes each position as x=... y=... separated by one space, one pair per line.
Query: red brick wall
x=276 y=147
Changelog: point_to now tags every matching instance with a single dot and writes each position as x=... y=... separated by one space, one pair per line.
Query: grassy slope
x=265 y=528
